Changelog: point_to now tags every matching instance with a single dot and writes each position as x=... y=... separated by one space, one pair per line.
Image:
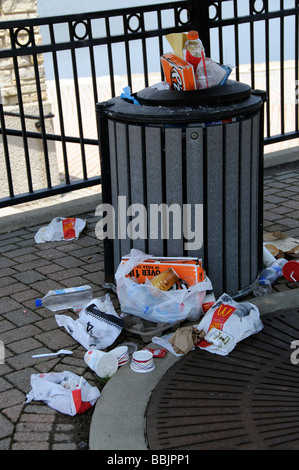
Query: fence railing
x=77 y=54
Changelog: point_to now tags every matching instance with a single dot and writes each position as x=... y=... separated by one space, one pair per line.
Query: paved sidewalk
x=28 y=271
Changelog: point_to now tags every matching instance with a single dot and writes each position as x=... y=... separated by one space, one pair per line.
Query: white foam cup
x=103 y=364
x=122 y=355
x=142 y=361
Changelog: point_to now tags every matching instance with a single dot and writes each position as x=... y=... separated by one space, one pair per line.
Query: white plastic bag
x=152 y=304
x=60 y=228
x=226 y=323
x=98 y=325
x=63 y=391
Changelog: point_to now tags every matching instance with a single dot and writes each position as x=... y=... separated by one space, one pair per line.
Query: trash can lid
x=230 y=92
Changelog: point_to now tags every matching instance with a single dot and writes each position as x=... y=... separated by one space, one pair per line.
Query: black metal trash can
x=198 y=150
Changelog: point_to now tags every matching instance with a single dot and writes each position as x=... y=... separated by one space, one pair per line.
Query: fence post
x=200 y=18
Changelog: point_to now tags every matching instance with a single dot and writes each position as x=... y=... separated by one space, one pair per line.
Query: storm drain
x=246 y=400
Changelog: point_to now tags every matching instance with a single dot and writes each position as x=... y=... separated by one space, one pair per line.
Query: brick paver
x=29 y=270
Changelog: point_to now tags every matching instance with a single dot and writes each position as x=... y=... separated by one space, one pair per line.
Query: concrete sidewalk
x=28 y=270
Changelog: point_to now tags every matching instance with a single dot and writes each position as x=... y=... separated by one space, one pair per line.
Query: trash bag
x=98 y=325
x=152 y=304
x=60 y=228
x=63 y=391
x=226 y=323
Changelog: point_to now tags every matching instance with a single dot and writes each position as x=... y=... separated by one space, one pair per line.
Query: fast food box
x=189 y=270
x=178 y=73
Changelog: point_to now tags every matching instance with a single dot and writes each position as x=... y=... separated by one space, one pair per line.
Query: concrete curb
x=64 y=206
x=281 y=157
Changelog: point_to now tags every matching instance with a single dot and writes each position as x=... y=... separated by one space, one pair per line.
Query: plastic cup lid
x=291 y=271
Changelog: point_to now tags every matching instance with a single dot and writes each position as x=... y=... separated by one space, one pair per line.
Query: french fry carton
x=178 y=73
x=188 y=270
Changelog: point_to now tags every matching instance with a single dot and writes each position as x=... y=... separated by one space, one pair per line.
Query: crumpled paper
x=177 y=42
x=60 y=228
x=184 y=339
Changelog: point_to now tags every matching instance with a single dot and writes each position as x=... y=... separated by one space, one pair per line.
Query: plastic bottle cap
x=192 y=35
x=291 y=271
x=38 y=303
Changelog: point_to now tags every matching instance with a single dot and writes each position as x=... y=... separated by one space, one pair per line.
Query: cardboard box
x=188 y=269
x=178 y=73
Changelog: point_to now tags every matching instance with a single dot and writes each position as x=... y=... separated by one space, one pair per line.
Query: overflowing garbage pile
x=186 y=68
x=155 y=294
x=165 y=292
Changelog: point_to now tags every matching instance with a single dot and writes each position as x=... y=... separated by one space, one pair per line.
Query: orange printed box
x=178 y=73
x=189 y=270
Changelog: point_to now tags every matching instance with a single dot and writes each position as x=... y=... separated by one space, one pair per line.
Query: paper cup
x=272 y=248
x=103 y=364
x=165 y=280
x=142 y=361
x=268 y=258
x=121 y=354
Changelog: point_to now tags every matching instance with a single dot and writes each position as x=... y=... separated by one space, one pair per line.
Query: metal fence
x=81 y=50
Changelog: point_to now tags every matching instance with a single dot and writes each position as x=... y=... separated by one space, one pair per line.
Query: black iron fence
x=50 y=129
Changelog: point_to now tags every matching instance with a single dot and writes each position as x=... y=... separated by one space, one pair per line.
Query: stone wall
x=10 y=10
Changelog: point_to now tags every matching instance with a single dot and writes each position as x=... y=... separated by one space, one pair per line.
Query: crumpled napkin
x=185 y=338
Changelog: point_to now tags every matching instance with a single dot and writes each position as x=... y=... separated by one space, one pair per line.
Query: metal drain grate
x=246 y=400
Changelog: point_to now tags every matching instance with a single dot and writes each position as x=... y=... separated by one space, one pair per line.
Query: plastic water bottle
x=193 y=50
x=268 y=275
x=62 y=299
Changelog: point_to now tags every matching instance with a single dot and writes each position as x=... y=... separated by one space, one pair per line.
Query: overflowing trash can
x=183 y=172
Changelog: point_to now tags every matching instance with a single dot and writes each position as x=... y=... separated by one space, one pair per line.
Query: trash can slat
x=174 y=189
x=214 y=203
x=123 y=172
x=138 y=188
x=195 y=180
x=254 y=195
x=114 y=185
x=154 y=183
x=231 y=207
x=245 y=197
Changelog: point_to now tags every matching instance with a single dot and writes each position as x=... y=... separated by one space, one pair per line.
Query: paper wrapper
x=185 y=338
x=177 y=41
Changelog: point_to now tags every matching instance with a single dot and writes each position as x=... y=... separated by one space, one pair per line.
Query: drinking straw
x=204 y=67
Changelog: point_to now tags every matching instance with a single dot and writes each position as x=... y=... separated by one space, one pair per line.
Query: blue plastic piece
x=127 y=95
x=38 y=303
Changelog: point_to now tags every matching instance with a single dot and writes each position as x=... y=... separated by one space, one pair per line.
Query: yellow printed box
x=178 y=73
